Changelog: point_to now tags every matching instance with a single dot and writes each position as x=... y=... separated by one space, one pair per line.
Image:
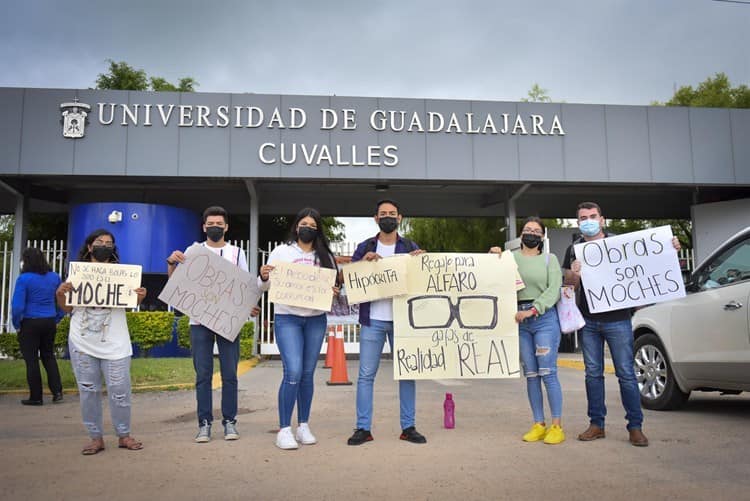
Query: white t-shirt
x=382 y=309
x=100 y=332
x=291 y=253
x=231 y=253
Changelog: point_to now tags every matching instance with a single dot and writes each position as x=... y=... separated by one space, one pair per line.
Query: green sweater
x=542 y=281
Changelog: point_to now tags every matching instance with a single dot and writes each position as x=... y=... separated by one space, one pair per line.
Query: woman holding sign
x=299 y=331
x=539 y=329
x=99 y=344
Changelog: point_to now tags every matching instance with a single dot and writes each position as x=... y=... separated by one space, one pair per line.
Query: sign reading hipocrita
x=630 y=270
x=302 y=285
x=458 y=318
x=212 y=291
x=373 y=280
x=103 y=285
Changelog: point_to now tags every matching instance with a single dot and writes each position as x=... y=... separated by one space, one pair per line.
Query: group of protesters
x=100 y=347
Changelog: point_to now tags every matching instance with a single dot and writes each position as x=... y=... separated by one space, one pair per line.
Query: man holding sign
x=614 y=327
x=215 y=225
x=376 y=319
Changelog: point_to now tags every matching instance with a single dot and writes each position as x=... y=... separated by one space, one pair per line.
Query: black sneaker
x=360 y=437
x=57 y=398
x=30 y=401
x=412 y=435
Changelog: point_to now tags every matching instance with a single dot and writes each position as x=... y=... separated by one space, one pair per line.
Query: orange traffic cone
x=329 y=349
x=339 y=375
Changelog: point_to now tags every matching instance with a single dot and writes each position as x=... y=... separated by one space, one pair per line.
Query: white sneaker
x=285 y=439
x=304 y=435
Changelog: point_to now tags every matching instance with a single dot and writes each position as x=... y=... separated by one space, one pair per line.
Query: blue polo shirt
x=403 y=246
x=34 y=297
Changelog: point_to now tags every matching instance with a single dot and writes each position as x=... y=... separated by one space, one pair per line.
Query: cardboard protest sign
x=630 y=270
x=302 y=285
x=212 y=291
x=458 y=318
x=373 y=280
x=103 y=285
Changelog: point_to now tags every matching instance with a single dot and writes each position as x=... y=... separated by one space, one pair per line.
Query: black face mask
x=388 y=224
x=531 y=241
x=215 y=233
x=102 y=253
x=306 y=234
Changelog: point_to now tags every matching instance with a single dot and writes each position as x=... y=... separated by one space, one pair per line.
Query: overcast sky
x=593 y=51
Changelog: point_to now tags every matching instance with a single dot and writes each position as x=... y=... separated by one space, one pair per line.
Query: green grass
x=170 y=373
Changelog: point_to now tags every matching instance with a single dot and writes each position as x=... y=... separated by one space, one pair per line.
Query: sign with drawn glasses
x=457 y=319
x=469 y=312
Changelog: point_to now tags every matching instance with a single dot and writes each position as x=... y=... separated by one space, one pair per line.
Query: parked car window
x=731 y=266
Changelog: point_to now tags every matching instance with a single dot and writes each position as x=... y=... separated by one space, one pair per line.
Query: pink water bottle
x=449 y=407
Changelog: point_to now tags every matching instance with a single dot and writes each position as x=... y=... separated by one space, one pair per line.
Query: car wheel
x=656 y=382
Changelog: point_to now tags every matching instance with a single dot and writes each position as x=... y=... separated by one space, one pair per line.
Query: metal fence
x=53 y=250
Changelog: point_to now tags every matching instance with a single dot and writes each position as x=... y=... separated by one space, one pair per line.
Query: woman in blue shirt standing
x=35 y=316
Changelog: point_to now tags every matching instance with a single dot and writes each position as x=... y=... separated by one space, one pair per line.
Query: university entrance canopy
x=340 y=154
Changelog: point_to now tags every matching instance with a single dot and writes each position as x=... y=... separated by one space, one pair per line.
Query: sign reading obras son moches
x=630 y=270
x=212 y=291
x=302 y=285
x=373 y=280
x=458 y=318
x=103 y=285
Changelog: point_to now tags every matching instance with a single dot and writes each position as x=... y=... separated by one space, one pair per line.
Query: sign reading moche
x=327 y=119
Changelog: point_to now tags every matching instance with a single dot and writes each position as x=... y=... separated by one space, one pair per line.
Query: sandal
x=94 y=447
x=129 y=443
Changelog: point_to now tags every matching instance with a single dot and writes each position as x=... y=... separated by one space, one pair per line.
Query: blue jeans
x=202 y=342
x=619 y=337
x=371 y=341
x=539 y=339
x=299 y=340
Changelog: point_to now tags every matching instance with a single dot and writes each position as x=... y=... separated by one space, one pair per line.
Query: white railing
x=55 y=253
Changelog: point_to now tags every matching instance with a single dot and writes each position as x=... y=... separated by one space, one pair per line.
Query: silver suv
x=700 y=342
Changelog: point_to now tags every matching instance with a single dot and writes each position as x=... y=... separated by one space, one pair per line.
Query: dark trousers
x=37 y=340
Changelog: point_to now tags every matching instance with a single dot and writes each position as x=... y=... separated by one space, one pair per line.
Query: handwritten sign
x=212 y=291
x=302 y=285
x=103 y=285
x=373 y=280
x=630 y=270
x=457 y=320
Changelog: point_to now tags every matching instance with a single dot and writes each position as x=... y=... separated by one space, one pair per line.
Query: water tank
x=145 y=234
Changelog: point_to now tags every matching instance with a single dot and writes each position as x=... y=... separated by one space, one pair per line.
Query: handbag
x=568 y=314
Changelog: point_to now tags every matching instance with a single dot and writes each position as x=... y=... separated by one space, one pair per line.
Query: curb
x=578 y=365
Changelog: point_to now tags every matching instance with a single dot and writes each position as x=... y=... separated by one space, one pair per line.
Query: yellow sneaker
x=536 y=433
x=554 y=435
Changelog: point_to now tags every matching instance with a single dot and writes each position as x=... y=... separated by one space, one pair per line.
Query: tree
x=122 y=76
x=716 y=92
x=681 y=228
x=537 y=95
x=160 y=84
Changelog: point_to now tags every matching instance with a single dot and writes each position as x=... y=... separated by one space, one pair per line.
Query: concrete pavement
x=696 y=453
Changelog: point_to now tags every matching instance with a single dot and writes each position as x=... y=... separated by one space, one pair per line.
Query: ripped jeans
x=539 y=339
x=88 y=371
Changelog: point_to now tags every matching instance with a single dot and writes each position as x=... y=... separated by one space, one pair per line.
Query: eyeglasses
x=533 y=232
x=103 y=243
x=471 y=312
